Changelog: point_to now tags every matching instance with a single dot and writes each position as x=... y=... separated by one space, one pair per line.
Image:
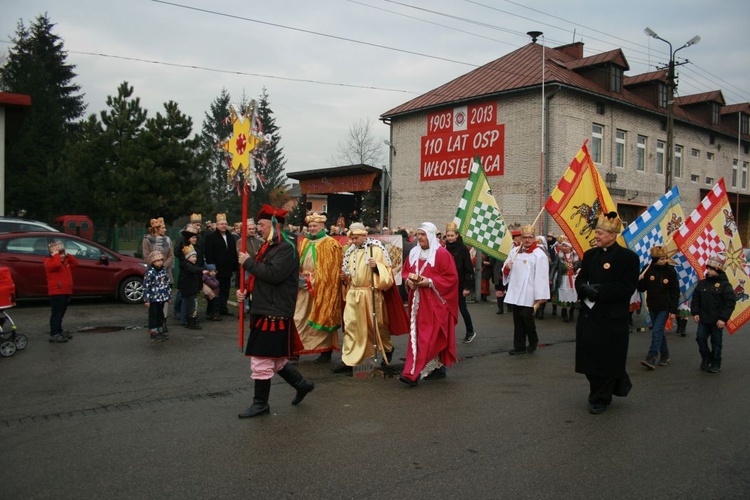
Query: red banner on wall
x=455 y=136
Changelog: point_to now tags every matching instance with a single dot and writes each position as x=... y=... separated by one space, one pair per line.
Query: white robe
x=528 y=280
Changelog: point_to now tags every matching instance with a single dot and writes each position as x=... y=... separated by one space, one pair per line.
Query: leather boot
x=564 y=314
x=325 y=357
x=500 y=305
x=192 y=324
x=540 y=311
x=570 y=316
x=260 y=400
x=294 y=378
x=554 y=309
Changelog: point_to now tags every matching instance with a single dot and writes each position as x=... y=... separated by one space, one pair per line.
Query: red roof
x=8 y=99
x=522 y=69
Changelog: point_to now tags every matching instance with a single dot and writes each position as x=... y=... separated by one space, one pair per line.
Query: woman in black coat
x=455 y=245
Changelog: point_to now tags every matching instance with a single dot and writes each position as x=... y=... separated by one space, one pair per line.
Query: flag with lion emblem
x=578 y=200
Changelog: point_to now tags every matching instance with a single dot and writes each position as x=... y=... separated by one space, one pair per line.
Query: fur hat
x=717 y=261
x=657 y=252
x=188 y=232
x=528 y=229
x=195 y=218
x=189 y=251
x=609 y=222
x=357 y=229
x=315 y=217
x=154 y=256
x=268 y=211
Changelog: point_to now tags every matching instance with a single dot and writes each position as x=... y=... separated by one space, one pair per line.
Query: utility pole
x=671 y=87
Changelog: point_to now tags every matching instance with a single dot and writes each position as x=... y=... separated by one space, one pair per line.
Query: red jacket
x=59 y=277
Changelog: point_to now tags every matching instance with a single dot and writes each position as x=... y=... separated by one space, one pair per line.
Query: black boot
x=164 y=328
x=554 y=309
x=294 y=378
x=325 y=357
x=681 y=327
x=564 y=314
x=192 y=324
x=570 y=316
x=500 y=305
x=260 y=400
x=540 y=311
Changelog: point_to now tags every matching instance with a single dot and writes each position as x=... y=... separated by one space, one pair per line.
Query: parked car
x=100 y=271
x=16 y=224
x=80 y=225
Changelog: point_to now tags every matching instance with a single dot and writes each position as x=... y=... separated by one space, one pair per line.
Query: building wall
x=521 y=190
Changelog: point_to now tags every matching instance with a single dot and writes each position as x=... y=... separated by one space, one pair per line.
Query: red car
x=100 y=271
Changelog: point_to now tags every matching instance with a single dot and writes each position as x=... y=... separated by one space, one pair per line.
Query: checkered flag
x=478 y=217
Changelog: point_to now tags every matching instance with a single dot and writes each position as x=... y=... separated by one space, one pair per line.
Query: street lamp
x=385 y=183
x=671 y=87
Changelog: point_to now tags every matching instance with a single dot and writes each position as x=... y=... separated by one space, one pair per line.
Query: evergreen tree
x=216 y=129
x=271 y=177
x=36 y=65
x=173 y=181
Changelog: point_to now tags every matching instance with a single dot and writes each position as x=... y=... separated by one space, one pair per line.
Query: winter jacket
x=713 y=299
x=157 y=286
x=190 y=281
x=59 y=275
x=463 y=263
x=662 y=287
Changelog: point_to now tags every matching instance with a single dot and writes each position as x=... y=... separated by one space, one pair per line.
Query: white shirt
x=528 y=280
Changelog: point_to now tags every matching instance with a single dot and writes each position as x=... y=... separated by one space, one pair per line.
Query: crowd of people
x=304 y=287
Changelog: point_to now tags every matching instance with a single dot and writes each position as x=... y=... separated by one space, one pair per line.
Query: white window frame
x=660 y=148
x=620 y=137
x=597 y=143
x=677 y=162
x=744 y=175
x=640 y=164
x=735 y=172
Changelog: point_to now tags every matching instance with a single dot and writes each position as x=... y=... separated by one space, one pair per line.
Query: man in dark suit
x=608 y=277
x=219 y=249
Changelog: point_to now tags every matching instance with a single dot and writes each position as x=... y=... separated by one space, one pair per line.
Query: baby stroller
x=10 y=339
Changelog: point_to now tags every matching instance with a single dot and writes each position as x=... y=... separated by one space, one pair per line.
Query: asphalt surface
x=112 y=415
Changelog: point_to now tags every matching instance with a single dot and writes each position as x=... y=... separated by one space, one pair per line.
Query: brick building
x=497 y=110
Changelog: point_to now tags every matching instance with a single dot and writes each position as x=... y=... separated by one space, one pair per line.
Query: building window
x=660 y=157
x=325 y=208
x=620 y=148
x=600 y=108
x=709 y=156
x=694 y=178
x=744 y=124
x=715 y=116
x=661 y=95
x=710 y=181
x=744 y=175
x=615 y=79
x=735 y=168
x=597 y=136
x=695 y=153
x=641 y=164
x=712 y=139
x=677 y=162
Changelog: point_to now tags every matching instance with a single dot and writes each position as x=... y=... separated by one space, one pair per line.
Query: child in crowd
x=659 y=281
x=157 y=291
x=60 y=287
x=211 y=292
x=190 y=284
x=712 y=305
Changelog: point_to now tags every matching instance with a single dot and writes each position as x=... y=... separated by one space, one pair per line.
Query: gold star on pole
x=241 y=143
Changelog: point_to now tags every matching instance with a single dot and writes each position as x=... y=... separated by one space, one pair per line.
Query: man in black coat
x=274 y=275
x=219 y=248
x=607 y=279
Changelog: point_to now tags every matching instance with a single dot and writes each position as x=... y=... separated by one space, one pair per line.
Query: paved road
x=112 y=415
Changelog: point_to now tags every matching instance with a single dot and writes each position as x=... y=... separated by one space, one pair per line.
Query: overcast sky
x=327 y=64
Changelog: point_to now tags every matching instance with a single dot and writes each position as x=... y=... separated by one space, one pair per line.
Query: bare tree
x=360 y=146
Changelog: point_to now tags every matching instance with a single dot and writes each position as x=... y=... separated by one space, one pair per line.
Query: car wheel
x=131 y=290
